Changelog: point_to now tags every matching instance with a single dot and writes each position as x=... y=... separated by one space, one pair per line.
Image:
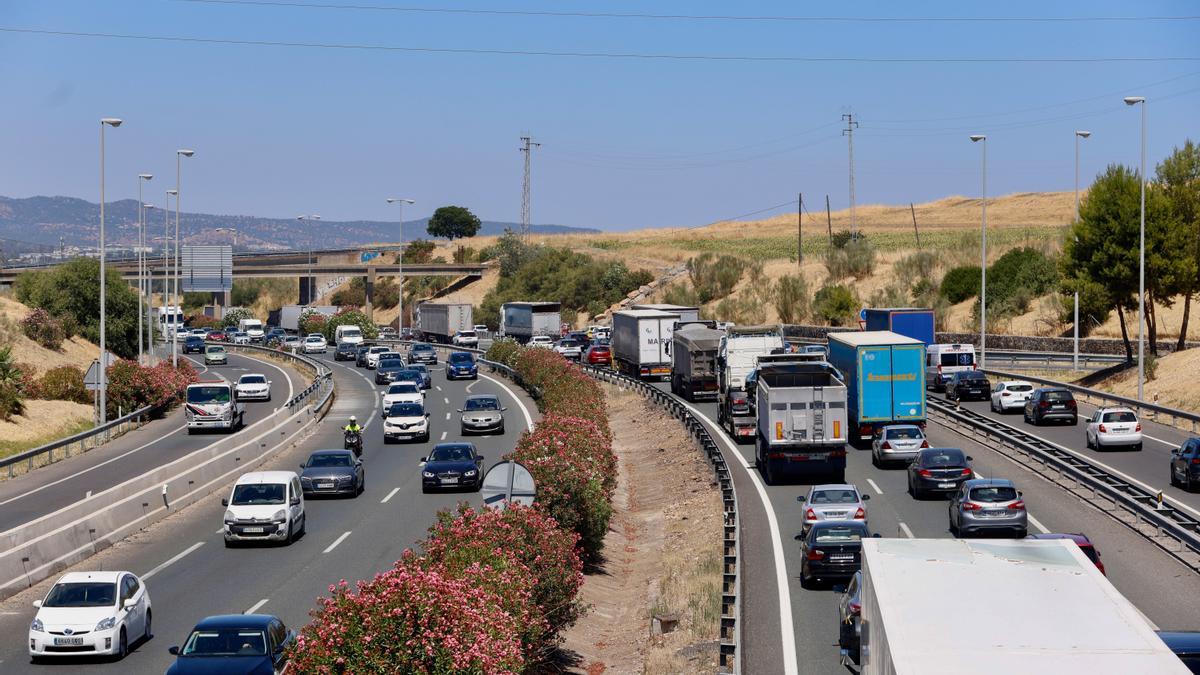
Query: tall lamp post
x=148 y=279
x=142 y=177
x=179 y=155
x=977 y=138
x=103 y=375
x=312 y=286
x=400 y=262
x=1075 y=356
x=166 y=274
x=1134 y=100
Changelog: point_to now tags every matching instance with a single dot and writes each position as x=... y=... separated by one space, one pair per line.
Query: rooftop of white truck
x=647 y=314
x=872 y=338
x=1005 y=606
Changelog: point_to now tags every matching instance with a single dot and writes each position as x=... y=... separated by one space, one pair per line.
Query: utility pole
x=915 y=230
x=829 y=221
x=527 y=147
x=62 y=248
x=848 y=132
x=800 y=233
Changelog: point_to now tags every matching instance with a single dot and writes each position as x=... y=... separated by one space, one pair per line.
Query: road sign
x=508 y=482
x=91 y=379
x=862 y=314
x=207 y=268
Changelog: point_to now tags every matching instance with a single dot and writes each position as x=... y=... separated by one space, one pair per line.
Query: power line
x=696 y=17
x=743 y=215
x=640 y=56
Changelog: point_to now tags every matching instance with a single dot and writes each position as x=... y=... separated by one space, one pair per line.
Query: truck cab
x=213 y=405
x=253 y=328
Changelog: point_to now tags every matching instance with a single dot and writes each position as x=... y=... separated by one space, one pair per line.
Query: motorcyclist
x=352 y=426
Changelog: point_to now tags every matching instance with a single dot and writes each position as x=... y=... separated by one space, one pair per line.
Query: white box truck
x=439 y=321
x=686 y=313
x=347 y=334
x=289 y=315
x=1023 y=606
x=801 y=409
x=736 y=358
x=213 y=405
x=523 y=320
x=641 y=340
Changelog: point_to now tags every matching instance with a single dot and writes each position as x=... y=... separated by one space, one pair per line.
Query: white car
x=253 y=387
x=480 y=329
x=405 y=420
x=1112 y=428
x=569 y=349
x=90 y=613
x=265 y=506
x=1010 y=395
x=465 y=338
x=315 y=344
x=401 y=392
x=373 y=355
x=239 y=338
x=542 y=341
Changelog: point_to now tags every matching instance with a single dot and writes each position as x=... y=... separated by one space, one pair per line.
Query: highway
x=190 y=574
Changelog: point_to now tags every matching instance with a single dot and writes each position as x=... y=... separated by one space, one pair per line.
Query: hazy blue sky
x=627 y=143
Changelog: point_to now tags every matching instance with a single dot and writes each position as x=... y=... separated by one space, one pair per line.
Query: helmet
x=353 y=418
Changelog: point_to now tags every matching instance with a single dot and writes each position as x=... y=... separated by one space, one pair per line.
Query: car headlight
x=470 y=472
x=106 y=624
x=427 y=474
x=37 y=626
x=279 y=517
x=230 y=518
x=305 y=479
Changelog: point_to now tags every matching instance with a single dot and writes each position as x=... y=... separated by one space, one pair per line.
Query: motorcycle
x=353 y=441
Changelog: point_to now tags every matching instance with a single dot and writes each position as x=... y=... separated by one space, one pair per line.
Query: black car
x=1185 y=644
x=388 y=370
x=257 y=644
x=849 y=614
x=452 y=465
x=346 y=351
x=832 y=549
x=968 y=384
x=938 y=470
x=1051 y=403
x=193 y=344
x=332 y=472
x=360 y=355
x=422 y=352
x=1185 y=464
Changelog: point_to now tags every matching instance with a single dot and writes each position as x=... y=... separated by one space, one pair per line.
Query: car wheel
x=303 y=526
x=1075 y=420
x=1137 y=448
x=1174 y=482
x=954 y=528
x=874 y=459
x=462 y=431
x=146 y=634
x=805 y=579
x=228 y=543
x=424 y=489
x=1021 y=534
x=122 y=646
x=362 y=486
x=502 y=431
x=387 y=440
x=1087 y=440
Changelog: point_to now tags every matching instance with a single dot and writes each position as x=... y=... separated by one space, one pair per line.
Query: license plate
x=324 y=486
x=1058 y=407
x=994 y=513
x=945 y=485
x=252 y=530
x=449 y=481
x=68 y=641
x=841 y=558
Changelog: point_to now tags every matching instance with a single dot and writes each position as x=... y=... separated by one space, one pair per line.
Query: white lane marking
x=447 y=415
x=520 y=403
x=907 y=532
x=172 y=561
x=1038 y=524
x=221 y=531
x=472 y=385
x=1169 y=444
x=443 y=436
x=255 y=606
x=446 y=400
x=785 y=598
x=389 y=495
x=874 y=487
x=438 y=387
x=88 y=495
x=336 y=542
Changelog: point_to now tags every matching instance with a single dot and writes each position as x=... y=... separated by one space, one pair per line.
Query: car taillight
x=1103 y=429
x=854 y=608
x=939 y=370
x=1196 y=460
x=885 y=446
x=1071 y=404
x=816 y=554
x=1100 y=566
x=1043 y=404
x=810 y=515
x=924 y=473
x=860 y=514
x=966 y=472
x=971 y=506
x=1138 y=427
x=1005 y=394
x=924 y=444
x=1017 y=505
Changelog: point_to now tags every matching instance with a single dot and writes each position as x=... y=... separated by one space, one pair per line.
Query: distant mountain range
x=42 y=223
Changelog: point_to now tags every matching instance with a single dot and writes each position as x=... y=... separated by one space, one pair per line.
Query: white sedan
x=465 y=338
x=239 y=338
x=1112 y=428
x=315 y=344
x=401 y=392
x=253 y=387
x=1010 y=395
x=90 y=613
x=543 y=341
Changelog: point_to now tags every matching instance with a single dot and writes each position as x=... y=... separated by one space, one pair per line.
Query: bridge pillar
x=370 y=289
x=306 y=286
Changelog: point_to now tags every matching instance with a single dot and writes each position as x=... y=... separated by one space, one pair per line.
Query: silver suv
x=835 y=501
x=482 y=414
x=988 y=504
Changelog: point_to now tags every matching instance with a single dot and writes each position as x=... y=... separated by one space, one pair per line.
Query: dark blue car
x=193 y=344
x=255 y=644
x=461 y=364
x=452 y=466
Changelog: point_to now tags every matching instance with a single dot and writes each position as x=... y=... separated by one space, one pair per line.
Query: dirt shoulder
x=663 y=553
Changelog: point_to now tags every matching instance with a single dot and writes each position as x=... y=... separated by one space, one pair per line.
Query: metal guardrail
x=1157 y=412
x=1150 y=514
x=322 y=384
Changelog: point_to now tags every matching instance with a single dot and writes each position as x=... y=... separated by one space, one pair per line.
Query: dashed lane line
x=874 y=487
x=254 y=608
x=907 y=532
x=172 y=560
x=336 y=542
x=389 y=495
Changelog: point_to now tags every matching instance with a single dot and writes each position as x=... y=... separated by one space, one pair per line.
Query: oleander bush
x=43 y=329
x=132 y=386
x=503 y=350
x=64 y=383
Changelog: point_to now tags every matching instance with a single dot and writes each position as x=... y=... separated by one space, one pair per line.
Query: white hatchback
x=542 y=341
x=1112 y=428
x=1010 y=395
x=315 y=343
x=90 y=613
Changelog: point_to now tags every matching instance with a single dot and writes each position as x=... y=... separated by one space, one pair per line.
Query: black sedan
x=345 y=351
x=832 y=549
x=193 y=344
x=388 y=370
x=257 y=644
x=360 y=354
x=453 y=466
x=938 y=470
x=332 y=472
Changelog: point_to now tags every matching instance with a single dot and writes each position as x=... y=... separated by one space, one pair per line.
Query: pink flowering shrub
x=132 y=386
x=584 y=441
x=43 y=329
x=503 y=350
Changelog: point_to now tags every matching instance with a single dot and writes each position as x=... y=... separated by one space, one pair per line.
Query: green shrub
x=73 y=289
x=843 y=237
x=893 y=295
x=43 y=329
x=792 y=299
x=856 y=259
x=64 y=383
x=1017 y=277
x=680 y=293
x=503 y=350
x=836 y=304
x=12 y=403
x=919 y=265
x=419 y=251
x=1094 y=303
x=713 y=276
x=961 y=283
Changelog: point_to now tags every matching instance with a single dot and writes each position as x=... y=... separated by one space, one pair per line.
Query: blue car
x=193 y=344
x=461 y=364
x=426 y=379
x=256 y=644
x=452 y=466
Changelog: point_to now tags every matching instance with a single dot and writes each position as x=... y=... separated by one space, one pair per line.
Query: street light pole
x=142 y=177
x=149 y=280
x=102 y=375
x=166 y=285
x=1134 y=100
x=983 y=261
x=400 y=264
x=179 y=155
x=312 y=283
x=1075 y=356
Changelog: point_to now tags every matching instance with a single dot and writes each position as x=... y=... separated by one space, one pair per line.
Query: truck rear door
x=875 y=383
x=908 y=382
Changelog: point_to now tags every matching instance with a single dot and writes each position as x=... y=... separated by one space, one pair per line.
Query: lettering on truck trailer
x=902 y=377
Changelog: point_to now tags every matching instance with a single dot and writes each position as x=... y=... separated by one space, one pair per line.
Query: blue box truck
x=910 y=322
x=885 y=378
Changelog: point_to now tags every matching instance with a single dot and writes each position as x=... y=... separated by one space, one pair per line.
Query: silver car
x=482 y=413
x=835 y=501
x=988 y=504
x=897 y=443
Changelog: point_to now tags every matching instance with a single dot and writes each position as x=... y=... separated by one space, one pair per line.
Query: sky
x=626 y=143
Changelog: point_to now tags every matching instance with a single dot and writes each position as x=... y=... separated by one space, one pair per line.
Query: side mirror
x=503 y=409
x=128 y=604
x=876 y=536
x=173 y=650
x=479 y=458
x=423 y=460
x=970 y=458
x=295 y=501
x=224 y=502
x=1020 y=494
x=459 y=410
x=37 y=604
x=865 y=498
x=426 y=415
x=302 y=466
x=800 y=498
x=799 y=537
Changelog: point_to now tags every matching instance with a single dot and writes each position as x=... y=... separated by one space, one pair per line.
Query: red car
x=1080 y=540
x=598 y=355
x=217 y=336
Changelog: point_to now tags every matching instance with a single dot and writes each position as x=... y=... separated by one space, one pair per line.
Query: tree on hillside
x=418 y=252
x=453 y=222
x=1179 y=178
x=73 y=290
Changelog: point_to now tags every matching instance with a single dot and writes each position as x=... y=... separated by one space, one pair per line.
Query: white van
x=265 y=506
x=942 y=361
x=348 y=335
x=253 y=328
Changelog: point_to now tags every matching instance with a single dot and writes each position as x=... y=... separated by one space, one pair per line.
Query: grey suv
x=988 y=504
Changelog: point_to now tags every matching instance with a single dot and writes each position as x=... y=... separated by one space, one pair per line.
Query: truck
x=213 y=405
x=289 y=315
x=694 y=360
x=1048 y=610
x=641 y=342
x=885 y=375
x=439 y=321
x=736 y=358
x=685 y=312
x=253 y=328
x=912 y=322
x=347 y=334
x=801 y=420
x=168 y=318
x=523 y=320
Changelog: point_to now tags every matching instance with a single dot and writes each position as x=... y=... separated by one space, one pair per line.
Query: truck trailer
x=641 y=343
x=439 y=321
x=885 y=376
x=801 y=413
x=686 y=313
x=1027 y=607
x=912 y=322
x=736 y=358
x=694 y=360
x=523 y=320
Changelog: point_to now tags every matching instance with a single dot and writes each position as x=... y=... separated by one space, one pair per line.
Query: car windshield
x=839 y=496
x=390 y=363
x=452 y=453
x=996 y=493
x=253 y=379
x=568 y=343
x=1019 y=387
x=226 y=642
x=422 y=348
x=958 y=359
x=216 y=350
x=404 y=388
x=943 y=458
x=260 y=493
x=405 y=410
x=314 y=339
x=418 y=368
x=331 y=459
x=838 y=534
x=972 y=375
x=84 y=594
x=202 y=395
x=378 y=350
x=1120 y=416
x=600 y=349
x=194 y=338
x=895 y=433
x=467 y=334
x=1059 y=396
x=461 y=358
x=483 y=404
